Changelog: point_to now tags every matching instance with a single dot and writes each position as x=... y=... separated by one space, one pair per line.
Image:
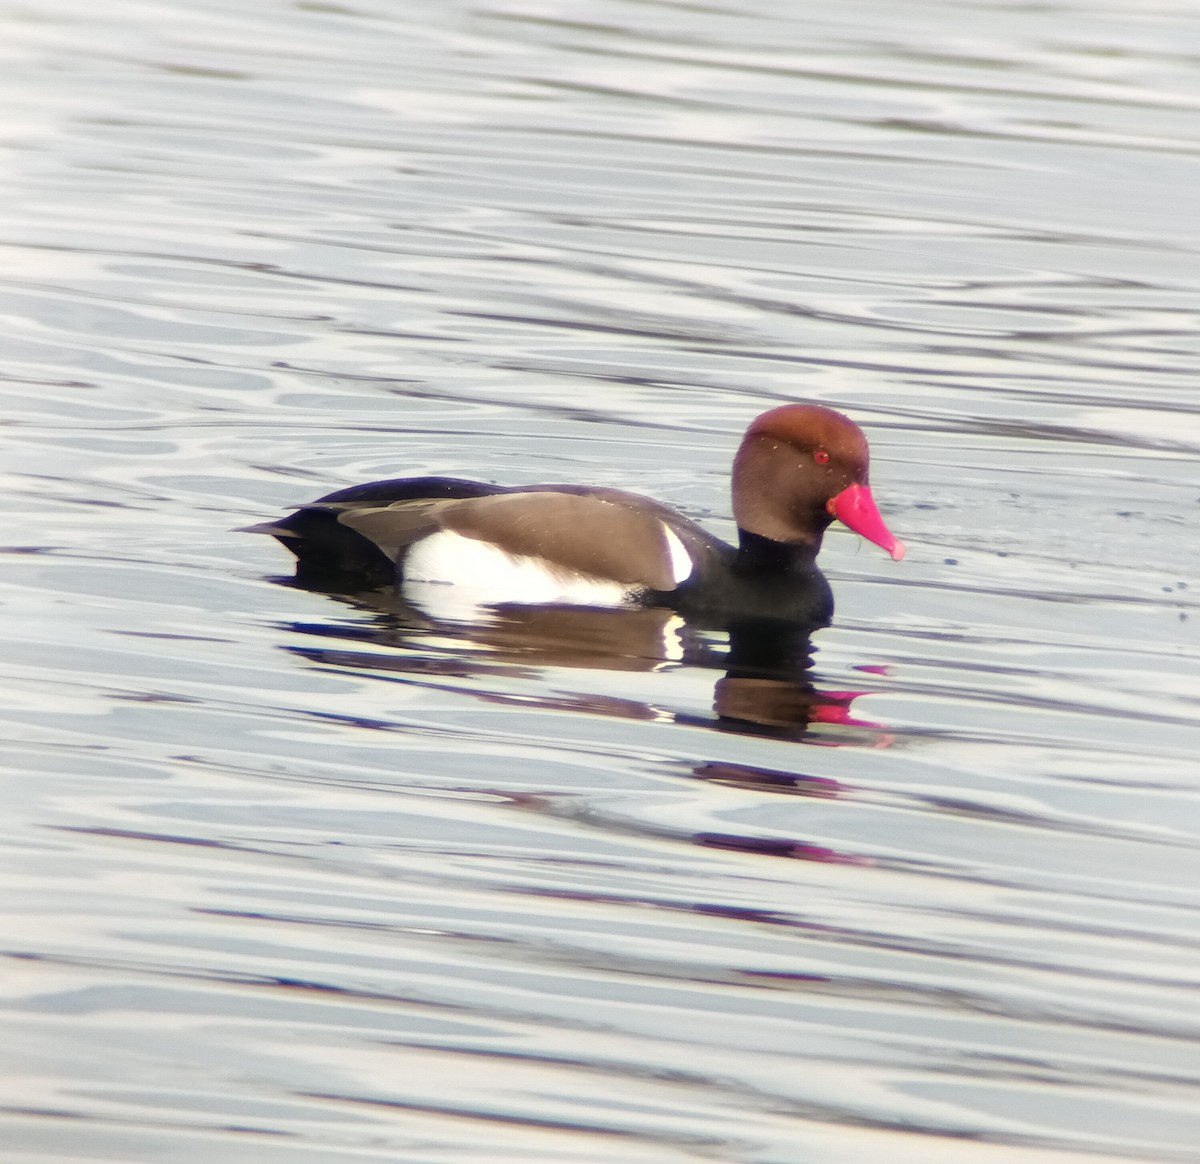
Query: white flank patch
x=482 y=574
x=681 y=561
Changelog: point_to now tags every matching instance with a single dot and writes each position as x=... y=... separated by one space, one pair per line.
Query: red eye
x=821 y=457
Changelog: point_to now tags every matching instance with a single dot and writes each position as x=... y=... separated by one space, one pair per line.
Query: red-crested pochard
x=798 y=468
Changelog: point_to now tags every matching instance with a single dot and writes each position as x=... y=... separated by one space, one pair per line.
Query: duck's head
x=798 y=468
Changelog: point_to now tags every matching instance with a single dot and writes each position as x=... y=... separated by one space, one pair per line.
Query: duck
x=799 y=468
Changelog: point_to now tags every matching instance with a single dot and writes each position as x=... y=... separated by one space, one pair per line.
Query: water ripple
x=311 y=878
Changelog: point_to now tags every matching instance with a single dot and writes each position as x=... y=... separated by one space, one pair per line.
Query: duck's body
x=798 y=467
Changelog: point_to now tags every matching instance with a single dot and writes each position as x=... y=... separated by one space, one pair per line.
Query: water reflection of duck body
x=767 y=685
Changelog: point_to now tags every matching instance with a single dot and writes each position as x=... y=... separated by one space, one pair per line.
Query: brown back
x=581 y=533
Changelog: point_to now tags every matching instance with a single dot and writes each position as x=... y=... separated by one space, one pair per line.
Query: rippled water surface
x=297 y=877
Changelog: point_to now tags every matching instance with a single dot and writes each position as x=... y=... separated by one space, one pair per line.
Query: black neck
x=762 y=556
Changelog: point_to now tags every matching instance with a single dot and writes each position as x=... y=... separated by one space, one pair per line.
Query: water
x=290 y=878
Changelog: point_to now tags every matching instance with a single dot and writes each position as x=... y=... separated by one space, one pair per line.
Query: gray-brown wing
x=393 y=527
x=585 y=534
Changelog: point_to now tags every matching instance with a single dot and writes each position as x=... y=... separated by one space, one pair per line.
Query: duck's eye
x=821 y=457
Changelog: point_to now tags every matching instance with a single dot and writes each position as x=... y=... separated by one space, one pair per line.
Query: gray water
x=290 y=877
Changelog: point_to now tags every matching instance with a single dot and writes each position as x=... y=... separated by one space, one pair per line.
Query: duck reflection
x=767 y=687
x=763 y=684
